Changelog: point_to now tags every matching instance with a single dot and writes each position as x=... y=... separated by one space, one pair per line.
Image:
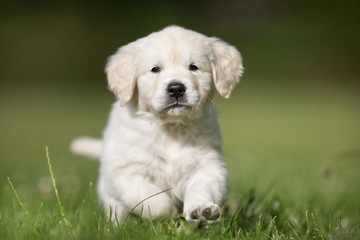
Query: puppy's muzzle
x=176 y=90
x=176 y=98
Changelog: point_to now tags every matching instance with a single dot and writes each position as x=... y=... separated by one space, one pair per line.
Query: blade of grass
x=151 y=221
x=317 y=228
x=39 y=211
x=18 y=198
x=62 y=209
x=270 y=227
x=88 y=196
x=292 y=229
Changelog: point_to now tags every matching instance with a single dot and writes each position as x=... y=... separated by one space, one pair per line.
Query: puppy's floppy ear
x=121 y=73
x=227 y=66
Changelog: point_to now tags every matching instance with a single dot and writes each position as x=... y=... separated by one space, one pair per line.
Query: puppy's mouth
x=176 y=104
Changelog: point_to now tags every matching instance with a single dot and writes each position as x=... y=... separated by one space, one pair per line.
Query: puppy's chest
x=173 y=158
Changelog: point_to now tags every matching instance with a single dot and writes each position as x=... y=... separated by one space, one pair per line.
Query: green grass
x=293 y=155
x=258 y=216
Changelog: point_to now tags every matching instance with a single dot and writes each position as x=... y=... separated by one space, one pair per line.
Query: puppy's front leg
x=204 y=195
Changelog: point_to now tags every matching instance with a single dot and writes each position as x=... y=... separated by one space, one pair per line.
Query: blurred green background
x=293 y=121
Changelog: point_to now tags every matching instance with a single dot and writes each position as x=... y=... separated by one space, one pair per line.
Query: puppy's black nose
x=176 y=89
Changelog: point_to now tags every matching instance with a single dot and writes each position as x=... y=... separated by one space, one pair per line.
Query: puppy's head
x=174 y=71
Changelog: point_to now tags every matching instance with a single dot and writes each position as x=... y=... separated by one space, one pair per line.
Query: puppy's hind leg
x=134 y=189
x=113 y=207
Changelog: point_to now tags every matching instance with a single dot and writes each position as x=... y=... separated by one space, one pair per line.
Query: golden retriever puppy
x=163 y=131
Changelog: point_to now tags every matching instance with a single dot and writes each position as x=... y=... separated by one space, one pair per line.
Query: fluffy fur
x=163 y=131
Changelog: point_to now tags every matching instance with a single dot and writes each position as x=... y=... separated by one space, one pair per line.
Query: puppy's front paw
x=204 y=214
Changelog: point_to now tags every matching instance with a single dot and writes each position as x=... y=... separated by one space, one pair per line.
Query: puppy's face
x=175 y=74
x=174 y=71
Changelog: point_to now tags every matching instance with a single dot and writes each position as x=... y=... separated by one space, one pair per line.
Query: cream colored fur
x=154 y=141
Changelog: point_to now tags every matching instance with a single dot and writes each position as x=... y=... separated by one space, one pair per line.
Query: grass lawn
x=293 y=155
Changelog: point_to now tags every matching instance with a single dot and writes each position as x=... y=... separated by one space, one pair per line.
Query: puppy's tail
x=87 y=146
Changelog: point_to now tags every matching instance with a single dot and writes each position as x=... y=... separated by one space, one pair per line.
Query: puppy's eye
x=155 y=69
x=193 y=67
